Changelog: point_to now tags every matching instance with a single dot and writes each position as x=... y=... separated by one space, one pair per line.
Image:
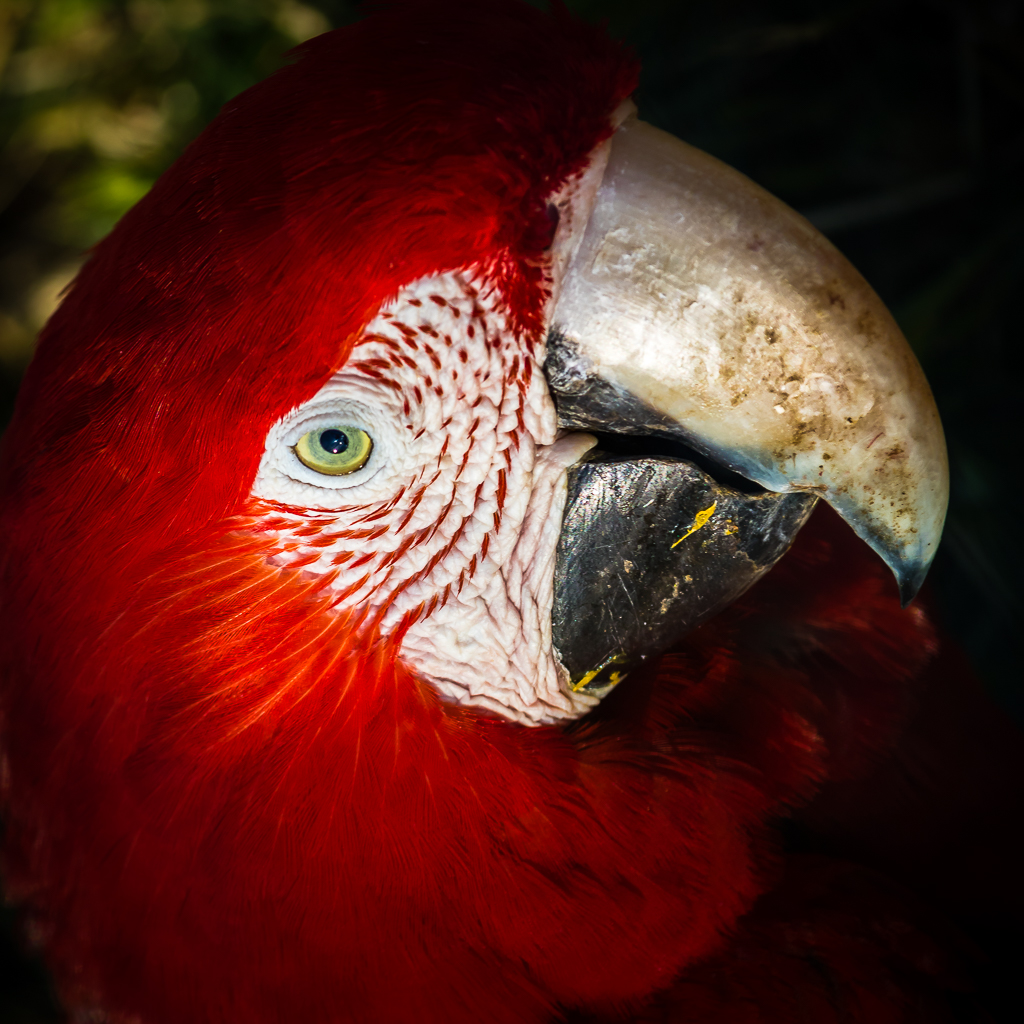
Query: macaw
x=382 y=512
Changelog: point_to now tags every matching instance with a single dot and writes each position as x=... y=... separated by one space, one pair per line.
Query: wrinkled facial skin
x=448 y=533
x=447 y=537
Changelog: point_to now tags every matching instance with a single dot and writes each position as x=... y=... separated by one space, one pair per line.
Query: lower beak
x=700 y=310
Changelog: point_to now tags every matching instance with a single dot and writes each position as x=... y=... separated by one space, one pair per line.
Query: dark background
x=896 y=126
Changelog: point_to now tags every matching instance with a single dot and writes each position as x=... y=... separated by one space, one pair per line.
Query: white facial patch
x=449 y=529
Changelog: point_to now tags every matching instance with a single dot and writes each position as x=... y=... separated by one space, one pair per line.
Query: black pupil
x=333 y=441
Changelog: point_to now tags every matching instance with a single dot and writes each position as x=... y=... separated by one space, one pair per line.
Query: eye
x=334 y=451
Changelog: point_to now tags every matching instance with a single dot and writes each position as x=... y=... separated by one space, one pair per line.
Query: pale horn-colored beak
x=700 y=297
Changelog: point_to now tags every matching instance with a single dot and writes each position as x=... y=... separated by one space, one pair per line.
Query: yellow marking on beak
x=699 y=520
x=576 y=687
x=613 y=679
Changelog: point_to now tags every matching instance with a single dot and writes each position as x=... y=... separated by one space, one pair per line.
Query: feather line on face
x=447 y=532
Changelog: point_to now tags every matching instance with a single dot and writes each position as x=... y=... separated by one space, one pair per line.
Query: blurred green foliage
x=98 y=98
x=895 y=125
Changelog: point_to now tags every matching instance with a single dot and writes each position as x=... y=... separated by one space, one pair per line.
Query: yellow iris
x=334 y=451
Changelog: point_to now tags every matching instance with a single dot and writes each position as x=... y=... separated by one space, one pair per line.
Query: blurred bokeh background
x=896 y=126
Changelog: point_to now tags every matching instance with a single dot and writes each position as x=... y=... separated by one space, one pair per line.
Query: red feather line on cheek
x=453 y=451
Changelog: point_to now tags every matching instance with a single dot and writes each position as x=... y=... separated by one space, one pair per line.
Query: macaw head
x=428 y=397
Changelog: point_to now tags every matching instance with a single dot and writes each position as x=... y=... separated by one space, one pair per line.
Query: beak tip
x=909 y=567
x=910 y=578
x=909 y=559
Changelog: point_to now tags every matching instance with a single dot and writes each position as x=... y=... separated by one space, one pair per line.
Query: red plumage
x=226 y=803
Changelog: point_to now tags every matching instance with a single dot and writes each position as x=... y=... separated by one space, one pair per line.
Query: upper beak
x=696 y=306
x=705 y=307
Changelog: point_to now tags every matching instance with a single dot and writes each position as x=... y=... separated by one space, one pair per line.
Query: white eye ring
x=322 y=417
x=283 y=477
